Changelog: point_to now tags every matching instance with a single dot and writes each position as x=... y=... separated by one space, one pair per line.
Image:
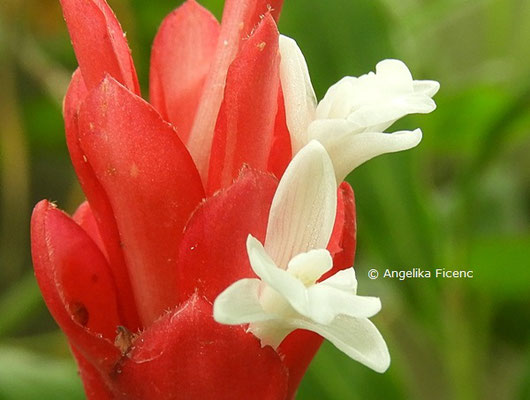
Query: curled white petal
x=299 y=96
x=348 y=149
x=303 y=209
x=375 y=101
x=356 y=337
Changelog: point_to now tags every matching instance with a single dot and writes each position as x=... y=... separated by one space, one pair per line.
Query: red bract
x=173 y=190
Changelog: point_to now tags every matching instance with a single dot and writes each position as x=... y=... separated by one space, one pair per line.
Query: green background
x=461 y=199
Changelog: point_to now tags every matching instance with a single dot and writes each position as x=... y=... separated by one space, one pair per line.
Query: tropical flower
x=287 y=296
x=182 y=192
x=351 y=118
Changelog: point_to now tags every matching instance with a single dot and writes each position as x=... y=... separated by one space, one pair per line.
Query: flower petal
x=58 y=247
x=182 y=53
x=373 y=102
x=427 y=88
x=83 y=279
x=213 y=253
x=271 y=332
x=326 y=303
x=343 y=280
x=309 y=267
x=151 y=183
x=99 y=43
x=278 y=279
x=239 y=304
x=239 y=19
x=358 y=338
x=245 y=125
x=303 y=209
x=300 y=99
x=348 y=149
x=99 y=202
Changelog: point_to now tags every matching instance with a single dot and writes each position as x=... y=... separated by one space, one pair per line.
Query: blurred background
x=460 y=200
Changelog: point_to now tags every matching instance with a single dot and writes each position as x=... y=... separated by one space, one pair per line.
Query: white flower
x=286 y=295
x=351 y=118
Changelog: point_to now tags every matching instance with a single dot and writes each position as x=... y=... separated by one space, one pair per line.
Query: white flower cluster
x=351 y=118
x=329 y=140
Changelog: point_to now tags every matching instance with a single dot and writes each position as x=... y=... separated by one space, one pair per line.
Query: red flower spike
x=245 y=126
x=182 y=52
x=186 y=355
x=151 y=183
x=239 y=20
x=99 y=202
x=99 y=43
x=281 y=149
x=213 y=251
x=57 y=245
x=146 y=216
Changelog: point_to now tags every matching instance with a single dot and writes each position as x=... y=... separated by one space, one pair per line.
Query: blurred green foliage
x=459 y=200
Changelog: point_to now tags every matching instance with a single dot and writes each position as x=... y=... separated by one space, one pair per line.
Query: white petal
x=239 y=304
x=428 y=88
x=309 y=267
x=337 y=295
x=349 y=150
x=395 y=74
x=271 y=333
x=343 y=280
x=378 y=117
x=373 y=102
x=299 y=96
x=303 y=209
x=338 y=102
x=356 y=337
x=326 y=303
x=287 y=286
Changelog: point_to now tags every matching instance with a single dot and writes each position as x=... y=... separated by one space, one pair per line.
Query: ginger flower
x=183 y=189
x=286 y=295
x=351 y=118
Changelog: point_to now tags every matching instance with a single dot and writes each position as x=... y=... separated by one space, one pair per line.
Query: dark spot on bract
x=79 y=312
